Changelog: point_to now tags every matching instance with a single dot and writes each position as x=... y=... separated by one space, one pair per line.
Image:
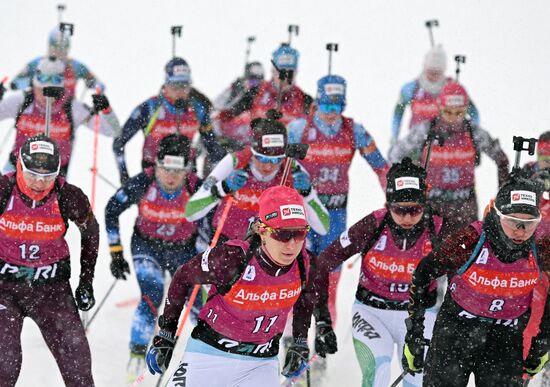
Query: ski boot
x=136 y=364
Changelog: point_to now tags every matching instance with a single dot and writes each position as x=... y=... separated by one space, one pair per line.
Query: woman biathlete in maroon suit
x=255 y=284
x=35 y=207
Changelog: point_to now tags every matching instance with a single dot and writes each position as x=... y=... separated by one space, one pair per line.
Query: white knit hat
x=436 y=59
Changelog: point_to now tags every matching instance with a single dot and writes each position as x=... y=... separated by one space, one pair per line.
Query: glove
x=2 y=91
x=100 y=102
x=413 y=351
x=534 y=365
x=301 y=182
x=159 y=355
x=325 y=339
x=84 y=296
x=297 y=358
x=235 y=181
x=119 y=266
x=537 y=357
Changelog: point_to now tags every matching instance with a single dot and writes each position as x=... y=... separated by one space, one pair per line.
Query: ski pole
x=430 y=24
x=399 y=379
x=94 y=162
x=330 y=48
x=60 y=9
x=459 y=59
x=292 y=29
x=106 y=180
x=175 y=31
x=87 y=325
x=249 y=41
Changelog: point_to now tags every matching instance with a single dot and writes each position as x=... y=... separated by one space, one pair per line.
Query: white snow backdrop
x=382 y=44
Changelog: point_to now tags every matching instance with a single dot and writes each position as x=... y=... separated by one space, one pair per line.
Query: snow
x=382 y=43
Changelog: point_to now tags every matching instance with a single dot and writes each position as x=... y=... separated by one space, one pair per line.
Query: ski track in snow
x=126 y=43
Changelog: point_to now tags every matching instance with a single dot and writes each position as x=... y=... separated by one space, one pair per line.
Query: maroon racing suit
x=479 y=328
x=249 y=299
x=34 y=277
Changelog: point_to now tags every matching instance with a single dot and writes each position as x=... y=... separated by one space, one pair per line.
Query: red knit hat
x=282 y=207
x=453 y=95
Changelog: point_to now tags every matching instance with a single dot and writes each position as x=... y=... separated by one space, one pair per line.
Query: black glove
x=160 y=353
x=297 y=358
x=325 y=339
x=537 y=357
x=84 y=296
x=100 y=102
x=119 y=266
x=413 y=351
x=2 y=91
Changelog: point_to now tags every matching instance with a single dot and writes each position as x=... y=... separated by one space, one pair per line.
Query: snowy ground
x=382 y=44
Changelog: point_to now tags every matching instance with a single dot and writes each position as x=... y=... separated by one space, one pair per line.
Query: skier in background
x=456 y=146
x=421 y=94
x=333 y=140
x=28 y=108
x=58 y=47
x=36 y=205
x=178 y=108
x=494 y=267
x=236 y=340
x=245 y=175
x=259 y=99
x=162 y=238
x=391 y=242
x=234 y=134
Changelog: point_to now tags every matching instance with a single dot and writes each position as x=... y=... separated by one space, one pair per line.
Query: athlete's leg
x=373 y=345
x=215 y=368
x=11 y=324
x=453 y=351
x=150 y=277
x=54 y=311
x=501 y=363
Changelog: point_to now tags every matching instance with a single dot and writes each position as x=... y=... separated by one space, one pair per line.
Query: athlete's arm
x=204 y=200
x=370 y=152
x=10 y=105
x=408 y=145
x=405 y=98
x=447 y=259
x=491 y=148
x=137 y=121
x=351 y=242
x=130 y=193
x=216 y=267
x=75 y=204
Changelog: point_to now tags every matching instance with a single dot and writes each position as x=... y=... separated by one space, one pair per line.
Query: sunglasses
x=285 y=235
x=269 y=159
x=54 y=79
x=330 y=108
x=37 y=176
x=517 y=223
x=413 y=210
